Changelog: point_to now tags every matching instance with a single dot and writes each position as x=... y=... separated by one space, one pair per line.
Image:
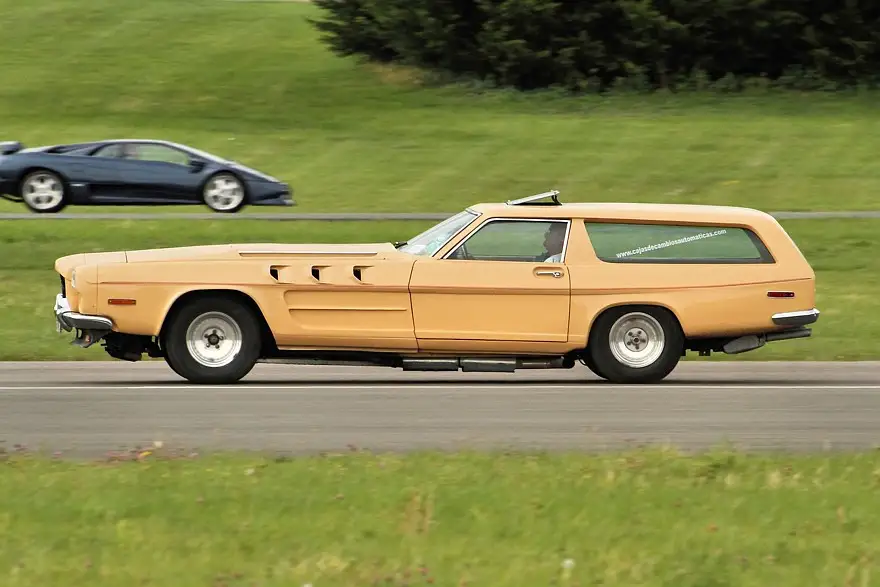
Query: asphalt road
x=84 y=409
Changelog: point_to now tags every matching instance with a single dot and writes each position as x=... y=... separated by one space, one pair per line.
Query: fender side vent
x=273 y=271
x=357 y=273
x=316 y=273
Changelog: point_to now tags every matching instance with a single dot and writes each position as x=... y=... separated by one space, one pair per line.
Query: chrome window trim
x=566 y=221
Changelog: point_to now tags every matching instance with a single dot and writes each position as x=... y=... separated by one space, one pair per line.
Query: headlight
x=73 y=279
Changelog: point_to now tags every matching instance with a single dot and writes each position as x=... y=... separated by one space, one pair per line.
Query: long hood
x=64 y=265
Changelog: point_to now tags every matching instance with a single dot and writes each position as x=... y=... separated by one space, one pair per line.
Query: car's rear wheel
x=224 y=192
x=212 y=339
x=636 y=344
x=43 y=192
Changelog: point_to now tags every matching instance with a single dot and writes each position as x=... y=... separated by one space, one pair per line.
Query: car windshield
x=430 y=241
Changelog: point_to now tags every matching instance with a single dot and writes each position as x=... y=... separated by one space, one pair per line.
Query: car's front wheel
x=224 y=192
x=636 y=344
x=213 y=340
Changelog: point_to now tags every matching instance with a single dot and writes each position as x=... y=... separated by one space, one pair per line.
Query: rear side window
x=675 y=243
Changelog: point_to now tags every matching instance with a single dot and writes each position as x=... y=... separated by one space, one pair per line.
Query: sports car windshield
x=430 y=241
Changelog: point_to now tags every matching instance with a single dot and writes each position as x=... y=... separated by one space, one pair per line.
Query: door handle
x=553 y=273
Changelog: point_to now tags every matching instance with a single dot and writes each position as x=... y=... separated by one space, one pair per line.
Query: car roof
x=143 y=141
x=625 y=211
x=86 y=144
x=171 y=144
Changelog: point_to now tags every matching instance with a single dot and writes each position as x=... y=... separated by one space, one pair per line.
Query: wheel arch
x=223 y=170
x=268 y=339
x=25 y=171
x=635 y=306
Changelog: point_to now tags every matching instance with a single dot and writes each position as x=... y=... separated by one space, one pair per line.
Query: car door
x=98 y=172
x=153 y=172
x=494 y=288
x=355 y=298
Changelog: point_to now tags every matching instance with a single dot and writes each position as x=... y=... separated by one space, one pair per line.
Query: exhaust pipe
x=755 y=341
x=789 y=334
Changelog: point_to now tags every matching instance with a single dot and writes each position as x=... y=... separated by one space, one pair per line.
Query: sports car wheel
x=224 y=193
x=636 y=345
x=212 y=340
x=43 y=192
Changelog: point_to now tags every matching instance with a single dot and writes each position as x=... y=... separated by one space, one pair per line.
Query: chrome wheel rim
x=213 y=339
x=42 y=191
x=637 y=340
x=224 y=193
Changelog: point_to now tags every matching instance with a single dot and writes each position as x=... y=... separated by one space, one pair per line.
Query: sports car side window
x=529 y=241
x=110 y=151
x=162 y=154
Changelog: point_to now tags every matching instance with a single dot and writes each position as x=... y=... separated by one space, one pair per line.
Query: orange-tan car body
x=375 y=297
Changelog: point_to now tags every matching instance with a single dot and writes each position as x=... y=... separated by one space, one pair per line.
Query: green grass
x=250 y=81
x=841 y=251
x=648 y=518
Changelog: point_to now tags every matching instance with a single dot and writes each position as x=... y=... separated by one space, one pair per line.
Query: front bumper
x=266 y=193
x=90 y=329
x=281 y=200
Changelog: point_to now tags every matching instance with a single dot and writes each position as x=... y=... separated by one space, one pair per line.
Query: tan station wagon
x=625 y=289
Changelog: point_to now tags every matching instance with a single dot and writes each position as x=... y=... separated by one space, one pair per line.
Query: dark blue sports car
x=132 y=172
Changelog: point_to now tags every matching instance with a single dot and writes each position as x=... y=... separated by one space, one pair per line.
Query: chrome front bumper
x=66 y=319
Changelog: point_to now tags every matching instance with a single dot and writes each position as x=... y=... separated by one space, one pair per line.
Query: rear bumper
x=800 y=318
x=794 y=326
x=66 y=319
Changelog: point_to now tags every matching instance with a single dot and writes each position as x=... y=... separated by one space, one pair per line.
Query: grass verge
x=651 y=518
x=250 y=81
x=843 y=253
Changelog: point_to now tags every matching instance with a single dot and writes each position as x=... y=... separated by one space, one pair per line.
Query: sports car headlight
x=73 y=279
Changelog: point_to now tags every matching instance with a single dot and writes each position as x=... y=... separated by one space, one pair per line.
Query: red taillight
x=780 y=294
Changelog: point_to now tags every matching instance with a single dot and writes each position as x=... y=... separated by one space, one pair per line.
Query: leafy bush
x=529 y=44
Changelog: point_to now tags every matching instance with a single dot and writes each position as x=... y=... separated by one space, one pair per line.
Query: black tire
x=634 y=332
x=590 y=363
x=49 y=178
x=221 y=316
x=231 y=179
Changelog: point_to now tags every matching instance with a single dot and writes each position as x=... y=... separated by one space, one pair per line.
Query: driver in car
x=554 y=239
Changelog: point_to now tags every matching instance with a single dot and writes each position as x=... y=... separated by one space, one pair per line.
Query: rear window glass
x=670 y=243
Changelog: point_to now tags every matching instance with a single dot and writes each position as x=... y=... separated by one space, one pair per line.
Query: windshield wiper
x=398 y=244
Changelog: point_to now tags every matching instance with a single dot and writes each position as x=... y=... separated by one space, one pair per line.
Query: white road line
x=428 y=387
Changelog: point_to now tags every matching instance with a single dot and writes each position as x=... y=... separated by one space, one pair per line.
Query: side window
x=162 y=154
x=110 y=151
x=671 y=243
x=530 y=241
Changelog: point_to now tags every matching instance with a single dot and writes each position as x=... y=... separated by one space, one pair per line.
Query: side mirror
x=196 y=164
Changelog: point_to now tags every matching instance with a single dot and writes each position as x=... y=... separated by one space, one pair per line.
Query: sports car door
x=152 y=172
x=496 y=287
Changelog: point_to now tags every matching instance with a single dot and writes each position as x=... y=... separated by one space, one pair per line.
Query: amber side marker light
x=780 y=294
x=121 y=302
